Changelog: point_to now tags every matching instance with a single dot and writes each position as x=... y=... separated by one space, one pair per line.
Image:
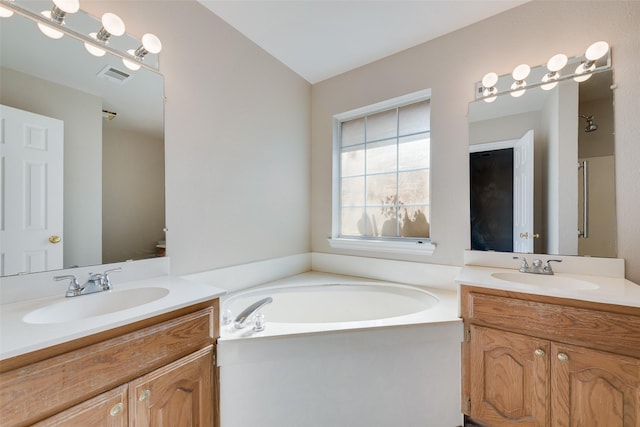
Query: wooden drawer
x=549 y=318
x=44 y=388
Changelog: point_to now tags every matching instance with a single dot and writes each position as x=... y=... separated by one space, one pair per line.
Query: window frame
x=377 y=244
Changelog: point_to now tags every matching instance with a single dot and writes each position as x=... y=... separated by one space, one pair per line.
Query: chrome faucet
x=536 y=266
x=97 y=282
x=246 y=315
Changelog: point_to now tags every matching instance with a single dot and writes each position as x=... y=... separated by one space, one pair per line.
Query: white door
x=31 y=206
x=523 y=233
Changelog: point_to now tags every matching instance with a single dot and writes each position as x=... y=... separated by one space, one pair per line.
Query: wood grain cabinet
x=158 y=372
x=539 y=361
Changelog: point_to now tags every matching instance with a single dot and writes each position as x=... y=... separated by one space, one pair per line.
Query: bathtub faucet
x=246 y=315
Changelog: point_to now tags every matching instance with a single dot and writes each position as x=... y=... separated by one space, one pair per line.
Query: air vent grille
x=114 y=75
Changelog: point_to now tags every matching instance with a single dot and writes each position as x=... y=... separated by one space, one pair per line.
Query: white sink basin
x=84 y=306
x=546 y=281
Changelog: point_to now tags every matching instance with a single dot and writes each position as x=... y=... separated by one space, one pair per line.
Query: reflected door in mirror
x=32 y=181
x=491 y=180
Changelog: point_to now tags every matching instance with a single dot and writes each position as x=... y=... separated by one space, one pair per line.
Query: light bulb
x=93 y=50
x=132 y=65
x=5 y=13
x=489 y=80
x=490 y=94
x=68 y=6
x=151 y=43
x=113 y=24
x=518 y=88
x=557 y=62
x=521 y=72
x=47 y=30
x=583 y=73
x=597 y=50
x=550 y=80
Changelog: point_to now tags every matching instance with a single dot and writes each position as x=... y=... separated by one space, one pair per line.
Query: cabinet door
x=508 y=375
x=177 y=395
x=107 y=410
x=594 y=388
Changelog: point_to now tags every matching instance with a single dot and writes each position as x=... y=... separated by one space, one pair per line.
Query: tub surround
x=445 y=310
x=398 y=371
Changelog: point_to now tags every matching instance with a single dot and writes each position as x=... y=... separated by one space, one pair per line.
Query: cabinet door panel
x=106 y=410
x=508 y=378
x=593 y=388
x=178 y=395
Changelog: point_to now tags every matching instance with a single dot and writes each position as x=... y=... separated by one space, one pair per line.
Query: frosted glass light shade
x=151 y=43
x=5 y=13
x=557 y=62
x=597 y=50
x=68 y=6
x=550 y=81
x=490 y=94
x=113 y=24
x=518 y=88
x=521 y=72
x=583 y=73
x=132 y=65
x=93 y=50
x=489 y=80
x=47 y=30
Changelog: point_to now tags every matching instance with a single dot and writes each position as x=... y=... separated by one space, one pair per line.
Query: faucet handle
x=547 y=268
x=74 y=286
x=524 y=267
x=71 y=277
x=106 y=281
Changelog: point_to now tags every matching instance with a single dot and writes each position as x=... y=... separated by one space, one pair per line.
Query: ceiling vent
x=114 y=75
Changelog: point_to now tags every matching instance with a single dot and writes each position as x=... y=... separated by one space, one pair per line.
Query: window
x=381 y=176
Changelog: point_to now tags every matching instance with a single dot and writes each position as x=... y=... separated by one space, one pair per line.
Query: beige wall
x=450 y=66
x=82 y=117
x=236 y=139
x=133 y=212
x=237 y=124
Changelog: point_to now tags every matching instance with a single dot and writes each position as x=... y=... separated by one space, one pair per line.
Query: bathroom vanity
x=148 y=366
x=545 y=354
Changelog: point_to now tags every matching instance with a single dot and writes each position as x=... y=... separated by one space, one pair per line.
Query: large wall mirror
x=111 y=202
x=542 y=170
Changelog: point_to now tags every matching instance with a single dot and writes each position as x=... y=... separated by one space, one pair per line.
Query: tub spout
x=244 y=317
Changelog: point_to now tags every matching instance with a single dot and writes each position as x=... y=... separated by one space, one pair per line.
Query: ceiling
x=319 y=39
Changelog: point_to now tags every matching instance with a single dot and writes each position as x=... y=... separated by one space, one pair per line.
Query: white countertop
x=592 y=288
x=19 y=337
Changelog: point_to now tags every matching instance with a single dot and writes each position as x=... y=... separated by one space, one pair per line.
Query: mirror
x=572 y=134
x=113 y=205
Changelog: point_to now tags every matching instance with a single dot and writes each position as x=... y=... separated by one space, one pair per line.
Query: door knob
x=539 y=352
x=563 y=357
x=526 y=235
x=118 y=407
x=144 y=395
x=55 y=239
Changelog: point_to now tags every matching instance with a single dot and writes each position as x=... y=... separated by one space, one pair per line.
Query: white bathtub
x=342 y=351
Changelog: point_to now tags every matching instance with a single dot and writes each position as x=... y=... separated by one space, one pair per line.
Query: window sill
x=383 y=246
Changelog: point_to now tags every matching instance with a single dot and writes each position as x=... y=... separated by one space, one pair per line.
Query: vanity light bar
x=597 y=58
x=96 y=43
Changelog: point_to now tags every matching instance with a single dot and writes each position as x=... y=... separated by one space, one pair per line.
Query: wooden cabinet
x=156 y=372
x=108 y=409
x=509 y=378
x=540 y=361
x=178 y=395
